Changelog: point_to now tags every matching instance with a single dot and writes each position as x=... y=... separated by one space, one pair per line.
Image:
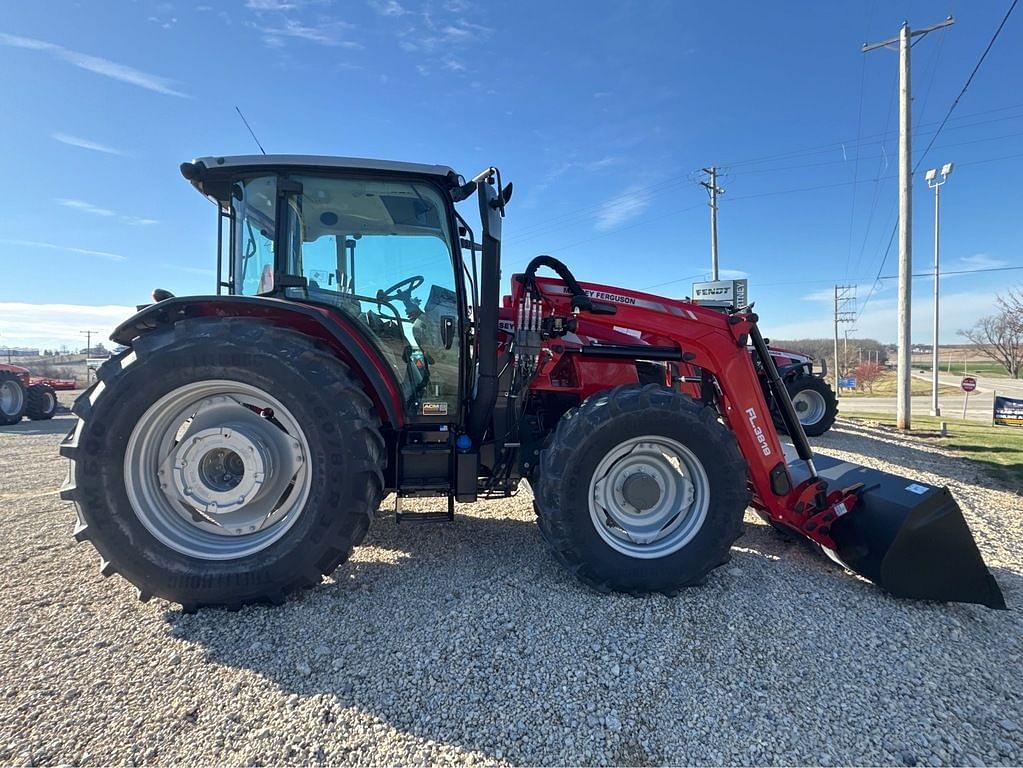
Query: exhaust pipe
x=490 y=299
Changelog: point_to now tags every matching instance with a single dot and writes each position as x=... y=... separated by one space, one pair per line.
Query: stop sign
x=968 y=384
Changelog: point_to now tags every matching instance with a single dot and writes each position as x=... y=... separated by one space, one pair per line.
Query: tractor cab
x=377 y=241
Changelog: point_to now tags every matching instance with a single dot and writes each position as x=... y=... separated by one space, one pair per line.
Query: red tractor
x=20 y=397
x=238 y=449
x=812 y=397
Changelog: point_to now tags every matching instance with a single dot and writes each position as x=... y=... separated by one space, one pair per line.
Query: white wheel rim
x=11 y=398
x=211 y=477
x=810 y=406
x=648 y=497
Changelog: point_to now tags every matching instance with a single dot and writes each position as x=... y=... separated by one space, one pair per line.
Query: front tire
x=41 y=402
x=224 y=462
x=641 y=490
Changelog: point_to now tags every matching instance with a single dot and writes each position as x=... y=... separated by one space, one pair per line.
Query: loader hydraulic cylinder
x=781 y=397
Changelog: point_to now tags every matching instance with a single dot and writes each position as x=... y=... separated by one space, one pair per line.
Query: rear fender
x=343 y=336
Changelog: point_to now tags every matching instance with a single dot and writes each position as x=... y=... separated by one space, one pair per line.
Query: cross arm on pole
x=893 y=42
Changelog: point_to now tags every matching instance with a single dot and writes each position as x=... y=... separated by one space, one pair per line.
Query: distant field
x=982 y=367
x=886 y=387
x=959 y=359
x=998 y=449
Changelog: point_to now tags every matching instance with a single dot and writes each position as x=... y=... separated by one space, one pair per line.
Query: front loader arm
x=710 y=340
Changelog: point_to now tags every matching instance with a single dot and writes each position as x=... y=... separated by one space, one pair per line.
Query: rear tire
x=815 y=403
x=586 y=452
x=12 y=398
x=42 y=402
x=334 y=492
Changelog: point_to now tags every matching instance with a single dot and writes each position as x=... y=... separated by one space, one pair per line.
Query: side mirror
x=447 y=330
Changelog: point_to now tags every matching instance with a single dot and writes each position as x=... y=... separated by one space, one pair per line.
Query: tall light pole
x=934 y=183
x=903 y=43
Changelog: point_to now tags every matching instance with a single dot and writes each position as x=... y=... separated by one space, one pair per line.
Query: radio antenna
x=251 y=132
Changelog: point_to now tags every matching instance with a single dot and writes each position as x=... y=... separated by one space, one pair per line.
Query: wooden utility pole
x=88 y=350
x=904 y=42
x=713 y=190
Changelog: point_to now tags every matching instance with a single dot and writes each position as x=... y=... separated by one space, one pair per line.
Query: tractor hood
x=211 y=175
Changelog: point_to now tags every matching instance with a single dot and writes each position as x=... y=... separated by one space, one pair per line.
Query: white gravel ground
x=466 y=643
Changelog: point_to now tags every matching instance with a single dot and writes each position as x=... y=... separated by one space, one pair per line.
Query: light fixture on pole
x=935 y=183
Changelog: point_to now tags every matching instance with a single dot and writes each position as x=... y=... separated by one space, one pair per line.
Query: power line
x=882 y=156
x=873 y=139
x=859 y=132
x=969 y=80
x=644 y=193
x=944 y=120
x=650 y=219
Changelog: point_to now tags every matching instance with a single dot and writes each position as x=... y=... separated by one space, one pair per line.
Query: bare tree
x=867 y=375
x=1000 y=336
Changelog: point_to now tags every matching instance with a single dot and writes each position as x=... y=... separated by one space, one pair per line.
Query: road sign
x=847 y=383
x=1008 y=412
x=968 y=384
x=721 y=293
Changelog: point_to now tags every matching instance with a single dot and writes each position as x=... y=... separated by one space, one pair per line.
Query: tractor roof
x=205 y=169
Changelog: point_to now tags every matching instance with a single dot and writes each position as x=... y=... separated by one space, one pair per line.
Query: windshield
x=380 y=252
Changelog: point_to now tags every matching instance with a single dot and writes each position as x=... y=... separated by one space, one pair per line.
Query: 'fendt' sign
x=721 y=293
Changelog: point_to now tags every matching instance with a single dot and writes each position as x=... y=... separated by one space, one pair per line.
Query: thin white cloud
x=51 y=325
x=67 y=248
x=958 y=311
x=732 y=274
x=269 y=5
x=600 y=163
x=979 y=261
x=331 y=34
x=78 y=141
x=96 y=64
x=420 y=33
x=84 y=207
x=205 y=272
x=388 y=7
x=621 y=208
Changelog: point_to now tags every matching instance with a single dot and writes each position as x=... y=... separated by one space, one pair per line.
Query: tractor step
x=423 y=517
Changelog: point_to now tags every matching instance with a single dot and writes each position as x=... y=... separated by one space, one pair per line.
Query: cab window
x=253 y=204
x=381 y=252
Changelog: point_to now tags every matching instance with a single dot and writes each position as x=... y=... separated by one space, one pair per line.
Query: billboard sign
x=721 y=293
x=1008 y=412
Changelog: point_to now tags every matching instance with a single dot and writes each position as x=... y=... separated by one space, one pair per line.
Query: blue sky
x=599 y=112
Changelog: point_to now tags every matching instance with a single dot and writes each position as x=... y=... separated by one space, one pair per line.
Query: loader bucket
x=909 y=538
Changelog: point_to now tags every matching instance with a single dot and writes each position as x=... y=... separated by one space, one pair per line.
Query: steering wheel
x=402 y=291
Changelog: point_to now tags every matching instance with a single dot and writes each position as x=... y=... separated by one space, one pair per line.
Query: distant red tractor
x=20 y=397
x=812 y=396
